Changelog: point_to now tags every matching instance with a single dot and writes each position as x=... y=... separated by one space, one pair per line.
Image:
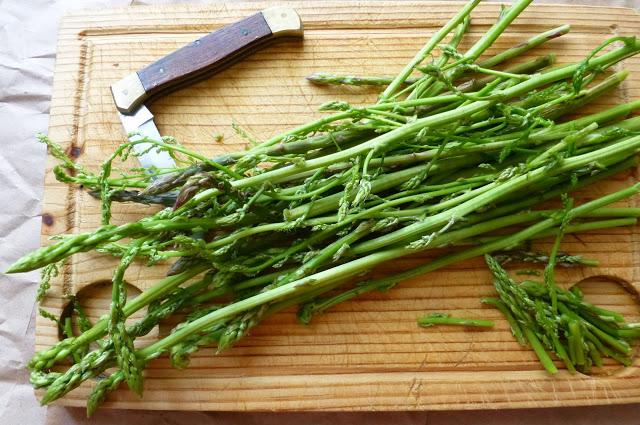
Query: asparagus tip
x=621 y=75
x=561 y=30
x=317 y=78
x=551 y=58
x=16 y=267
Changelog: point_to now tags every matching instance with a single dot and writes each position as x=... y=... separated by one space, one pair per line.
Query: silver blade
x=142 y=123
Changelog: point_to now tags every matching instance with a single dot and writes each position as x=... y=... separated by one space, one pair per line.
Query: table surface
x=27 y=56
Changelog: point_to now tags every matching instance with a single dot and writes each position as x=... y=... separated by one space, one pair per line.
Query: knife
x=190 y=63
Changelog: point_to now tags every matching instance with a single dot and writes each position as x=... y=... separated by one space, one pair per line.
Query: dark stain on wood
x=75 y=151
x=47 y=219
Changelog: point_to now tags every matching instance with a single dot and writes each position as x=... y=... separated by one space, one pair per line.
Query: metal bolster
x=128 y=93
x=283 y=21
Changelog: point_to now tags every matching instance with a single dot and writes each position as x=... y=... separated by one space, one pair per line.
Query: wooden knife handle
x=204 y=56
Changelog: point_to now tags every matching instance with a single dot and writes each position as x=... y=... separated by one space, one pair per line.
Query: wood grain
x=367 y=354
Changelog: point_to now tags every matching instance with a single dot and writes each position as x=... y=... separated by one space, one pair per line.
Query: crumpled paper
x=28 y=33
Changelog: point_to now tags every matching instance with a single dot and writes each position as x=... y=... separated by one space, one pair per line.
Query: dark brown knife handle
x=204 y=56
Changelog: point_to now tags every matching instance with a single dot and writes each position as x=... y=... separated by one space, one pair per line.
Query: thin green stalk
x=594 y=354
x=122 y=341
x=527 y=67
x=574 y=228
x=445 y=319
x=542 y=354
x=525 y=46
x=325 y=78
x=576 y=334
x=437 y=38
x=516 y=330
x=423 y=84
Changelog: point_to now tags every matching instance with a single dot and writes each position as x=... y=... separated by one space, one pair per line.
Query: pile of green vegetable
x=458 y=153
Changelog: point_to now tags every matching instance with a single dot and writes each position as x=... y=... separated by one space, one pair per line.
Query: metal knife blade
x=138 y=126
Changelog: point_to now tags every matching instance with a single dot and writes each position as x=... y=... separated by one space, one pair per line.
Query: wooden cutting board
x=367 y=354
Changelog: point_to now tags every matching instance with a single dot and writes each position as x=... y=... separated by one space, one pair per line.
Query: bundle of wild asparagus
x=456 y=153
x=551 y=319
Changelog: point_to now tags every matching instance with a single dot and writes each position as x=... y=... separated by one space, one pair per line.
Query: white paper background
x=28 y=32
